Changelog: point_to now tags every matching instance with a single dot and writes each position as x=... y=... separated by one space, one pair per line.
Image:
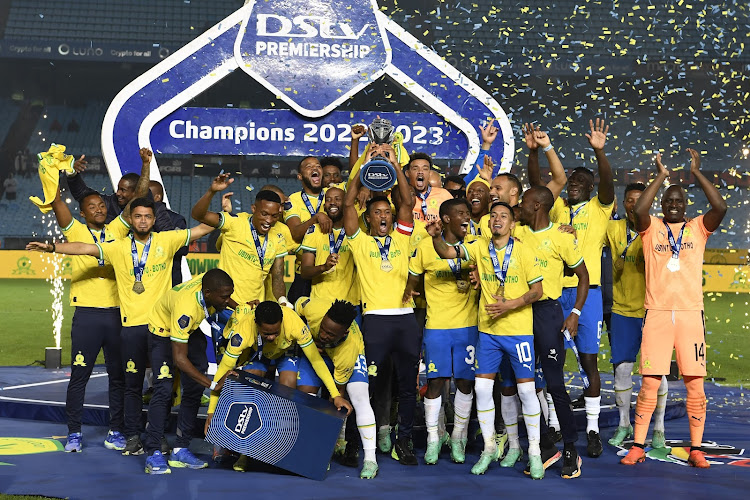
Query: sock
x=486 y=412
x=696 y=408
x=176 y=450
x=431 y=417
x=510 y=418
x=531 y=414
x=593 y=407
x=342 y=432
x=624 y=391
x=553 y=421
x=359 y=396
x=461 y=412
x=661 y=405
x=644 y=407
x=543 y=405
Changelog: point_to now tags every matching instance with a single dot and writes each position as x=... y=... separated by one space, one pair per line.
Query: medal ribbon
x=213 y=319
x=306 y=201
x=423 y=197
x=501 y=273
x=631 y=239
x=573 y=214
x=140 y=265
x=454 y=264
x=675 y=246
x=384 y=248
x=258 y=248
x=474 y=228
x=335 y=246
x=101 y=240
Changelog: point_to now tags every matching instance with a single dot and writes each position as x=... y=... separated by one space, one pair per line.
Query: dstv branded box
x=276 y=425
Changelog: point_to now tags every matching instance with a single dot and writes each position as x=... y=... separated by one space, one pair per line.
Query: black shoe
x=594 y=447
x=403 y=453
x=555 y=435
x=350 y=458
x=133 y=446
x=571 y=464
x=549 y=456
x=579 y=403
x=164 y=446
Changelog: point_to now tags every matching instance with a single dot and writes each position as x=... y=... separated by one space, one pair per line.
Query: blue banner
x=279 y=132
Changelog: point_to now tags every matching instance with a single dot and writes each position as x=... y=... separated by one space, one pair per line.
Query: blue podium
x=276 y=425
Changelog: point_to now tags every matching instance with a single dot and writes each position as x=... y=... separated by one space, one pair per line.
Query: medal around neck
x=378 y=174
x=674 y=264
x=619 y=264
x=138 y=287
x=462 y=285
x=386 y=266
x=500 y=291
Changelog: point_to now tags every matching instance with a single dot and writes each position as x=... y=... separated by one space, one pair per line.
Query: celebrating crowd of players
x=486 y=284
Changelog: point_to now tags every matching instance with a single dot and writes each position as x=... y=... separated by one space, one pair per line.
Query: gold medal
x=500 y=291
x=138 y=287
x=462 y=285
x=386 y=266
x=619 y=264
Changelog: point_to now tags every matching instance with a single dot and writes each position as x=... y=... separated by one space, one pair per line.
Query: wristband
x=53 y=247
x=576 y=312
x=544 y=150
x=213 y=385
x=283 y=301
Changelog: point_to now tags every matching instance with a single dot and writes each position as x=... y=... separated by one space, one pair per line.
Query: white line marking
x=96 y=375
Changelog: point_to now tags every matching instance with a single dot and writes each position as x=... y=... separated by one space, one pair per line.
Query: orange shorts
x=683 y=331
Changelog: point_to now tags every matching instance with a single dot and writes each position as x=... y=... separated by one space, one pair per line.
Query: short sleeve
x=73 y=230
x=228 y=222
x=530 y=266
x=416 y=263
x=471 y=249
x=107 y=251
x=181 y=325
x=569 y=251
x=310 y=242
x=118 y=227
x=177 y=239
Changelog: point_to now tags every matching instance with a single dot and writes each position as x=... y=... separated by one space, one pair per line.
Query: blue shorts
x=306 y=374
x=625 y=338
x=519 y=349
x=590 y=322
x=283 y=364
x=450 y=352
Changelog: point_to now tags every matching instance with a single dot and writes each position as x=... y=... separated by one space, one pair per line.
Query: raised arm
x=66 y=248
x=713 y=217
x=76 y=184
x=357 y=132
x=532 y=165
x=405 y=213
x=201 y=211
x=643 y=205
x=597 y=138
x=199 y=231
x=351 y=219
x=559 y=179
x=141 y=189
x=62 y=212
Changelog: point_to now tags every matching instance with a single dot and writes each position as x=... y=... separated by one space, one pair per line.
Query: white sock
x=543 y=405
x=593 y=407
x=624 y=391
x=661 y=405
x=461 y=412
x=431 y=417
x=360 y=398
x=553 y=421
x=531 y=414
x=176 y=450
x=486 y=412
x=510 y=419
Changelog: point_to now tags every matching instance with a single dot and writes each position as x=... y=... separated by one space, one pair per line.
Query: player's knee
x=465 y=386
x=435 y=387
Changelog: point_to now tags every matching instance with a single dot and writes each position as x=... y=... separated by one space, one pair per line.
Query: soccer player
x=176 y=341
x=629 y=292
x=450 y=335
x=589 y=217
x=332 y=168
x=429 y=198
x=143 y=273
x=336 y=333
x=673 y=251
x=553 y=249
x=302 y=213
x=178 y=222
x=390 y=327
x=456 y=185
x=478 y=195
x=511 y=282
x=252 y=245
x=327 y=258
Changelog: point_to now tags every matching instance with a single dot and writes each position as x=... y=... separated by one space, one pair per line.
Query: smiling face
x=631 y=197
x=580 y=186
x=526 y=209
x=265 y=214
x=143 y=221
x=503 y=189
x=334 y=202
x=380 y=218
x=419 y=174
x=478 y=196
x=673 y=204
x=331 y=175
x=311 y=174
x=501 y=221
x=457 y=220
x=125 y=192
x=93 y=210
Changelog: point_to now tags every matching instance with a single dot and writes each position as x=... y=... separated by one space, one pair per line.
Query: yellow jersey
x=381 y=290
x=628 y=285
x=291 y=247
x=344 y=355
x=296 y=207
x=157 y=272
x=552 y=249
x=339 y=282
x=589 y=219
x=447 y=306
x=180 y=311
x=523 y=270
x=239 y=257
x=93 y=285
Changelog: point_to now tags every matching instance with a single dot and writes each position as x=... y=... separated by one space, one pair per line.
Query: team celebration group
x=487 y=284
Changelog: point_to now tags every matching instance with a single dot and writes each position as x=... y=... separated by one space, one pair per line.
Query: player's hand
x=485 y=172
x=498 y=308
x=221 y=182
x=363 y=195
x=489 y=133
x=390 y=153
x=408 y=295
x=331 y=262
x=474 y=276
x=571 y=324
x=253 y=304
x=209 y=416
x=528 y=135
x=433 y=228
x=80 y=164
x=358 y=131
x=146 y=155
x=36 y=246
x=226 y=202
x=325 y=222
x=566 y=228
x=541 y=138
x=695 y=161
x=660 y=168
x=598 y=135
x=340 y=403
